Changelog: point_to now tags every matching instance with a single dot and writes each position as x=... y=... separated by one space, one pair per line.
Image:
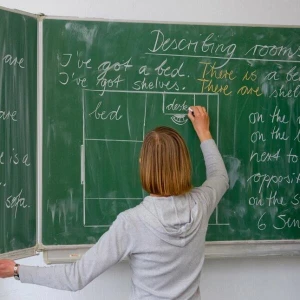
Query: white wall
x=223 y=279
x=284 y=12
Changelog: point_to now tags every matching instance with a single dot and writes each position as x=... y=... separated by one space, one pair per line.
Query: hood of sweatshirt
x=174 y=219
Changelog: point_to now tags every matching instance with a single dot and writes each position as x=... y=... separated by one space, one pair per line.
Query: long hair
x=165 y=164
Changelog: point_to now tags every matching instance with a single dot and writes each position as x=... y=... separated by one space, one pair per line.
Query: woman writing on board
x=164 y=236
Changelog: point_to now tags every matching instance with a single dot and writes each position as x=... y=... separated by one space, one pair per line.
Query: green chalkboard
x=18 y=102
x=107 y=83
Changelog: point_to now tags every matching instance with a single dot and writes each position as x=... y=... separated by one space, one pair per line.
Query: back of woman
x=168 y=255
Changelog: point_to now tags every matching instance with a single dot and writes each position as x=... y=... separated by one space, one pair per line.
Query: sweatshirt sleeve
x=111 y=248
x=217 y=181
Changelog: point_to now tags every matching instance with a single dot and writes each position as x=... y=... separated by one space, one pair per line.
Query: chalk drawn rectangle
x=113 y=116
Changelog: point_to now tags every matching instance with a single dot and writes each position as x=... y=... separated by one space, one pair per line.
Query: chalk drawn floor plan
x=114 y=126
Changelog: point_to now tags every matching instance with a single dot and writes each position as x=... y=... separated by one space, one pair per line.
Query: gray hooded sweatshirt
x=163 y=238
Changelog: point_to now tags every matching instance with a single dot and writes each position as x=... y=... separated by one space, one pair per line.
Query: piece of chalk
x=189 y=109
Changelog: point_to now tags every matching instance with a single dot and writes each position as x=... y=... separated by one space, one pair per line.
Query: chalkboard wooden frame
x=214 y=249
x=61 y=253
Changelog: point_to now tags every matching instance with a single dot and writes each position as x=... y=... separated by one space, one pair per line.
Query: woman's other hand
x=6 y=268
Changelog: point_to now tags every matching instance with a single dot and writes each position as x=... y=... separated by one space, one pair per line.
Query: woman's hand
x=200 y=120
x=6 y=268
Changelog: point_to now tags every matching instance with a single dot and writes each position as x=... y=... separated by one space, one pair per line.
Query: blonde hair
x=165 y=164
